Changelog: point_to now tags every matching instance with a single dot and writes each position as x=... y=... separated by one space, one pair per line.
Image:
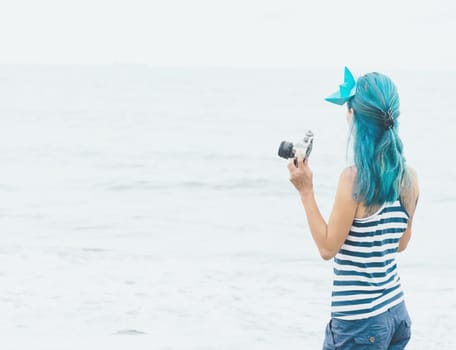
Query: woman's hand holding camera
x=301 y=175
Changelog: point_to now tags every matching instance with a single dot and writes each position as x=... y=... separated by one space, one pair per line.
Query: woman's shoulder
x=347 y=178
x=412 y=172
x=410 y=191
x=411 y=178
x=348 y=174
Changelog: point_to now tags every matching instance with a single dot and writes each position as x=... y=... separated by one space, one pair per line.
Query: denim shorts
x=387 y=331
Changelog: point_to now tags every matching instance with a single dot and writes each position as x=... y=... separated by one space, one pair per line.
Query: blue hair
x=377 y=147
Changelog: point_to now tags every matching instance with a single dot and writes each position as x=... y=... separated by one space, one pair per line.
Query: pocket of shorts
x=403 y=332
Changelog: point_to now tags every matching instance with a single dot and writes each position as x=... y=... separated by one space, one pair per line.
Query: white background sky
x=388 y=33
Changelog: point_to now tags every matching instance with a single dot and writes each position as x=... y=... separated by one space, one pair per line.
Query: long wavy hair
x=377 y=148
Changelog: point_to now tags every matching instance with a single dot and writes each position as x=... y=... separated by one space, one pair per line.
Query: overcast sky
x=361 y=33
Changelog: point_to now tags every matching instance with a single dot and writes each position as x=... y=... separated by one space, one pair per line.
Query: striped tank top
x=366 y=282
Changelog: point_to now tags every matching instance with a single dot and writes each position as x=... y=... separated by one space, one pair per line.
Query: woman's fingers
x=291 y=165
x=297 y=163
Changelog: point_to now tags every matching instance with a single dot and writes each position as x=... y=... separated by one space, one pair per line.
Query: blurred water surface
x=150 y=202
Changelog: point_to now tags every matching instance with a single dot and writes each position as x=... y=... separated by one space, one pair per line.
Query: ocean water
x=146 y=207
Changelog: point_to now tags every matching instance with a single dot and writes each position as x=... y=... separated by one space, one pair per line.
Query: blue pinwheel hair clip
x=346 y=90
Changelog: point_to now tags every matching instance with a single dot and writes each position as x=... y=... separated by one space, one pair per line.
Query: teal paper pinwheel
x=346 y=90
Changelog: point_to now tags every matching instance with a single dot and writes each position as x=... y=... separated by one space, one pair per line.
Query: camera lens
x=286 y=150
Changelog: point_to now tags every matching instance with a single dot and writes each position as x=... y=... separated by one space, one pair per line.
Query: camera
x=302 y=149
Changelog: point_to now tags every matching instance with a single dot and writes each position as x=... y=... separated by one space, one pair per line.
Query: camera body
x=301 y=149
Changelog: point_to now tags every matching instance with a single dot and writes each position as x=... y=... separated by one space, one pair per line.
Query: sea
x=146 y=207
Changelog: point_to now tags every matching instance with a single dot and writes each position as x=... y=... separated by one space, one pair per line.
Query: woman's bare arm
x=409 y=200
x=330 y=236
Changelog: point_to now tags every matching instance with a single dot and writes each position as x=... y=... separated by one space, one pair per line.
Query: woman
x=370 y=222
